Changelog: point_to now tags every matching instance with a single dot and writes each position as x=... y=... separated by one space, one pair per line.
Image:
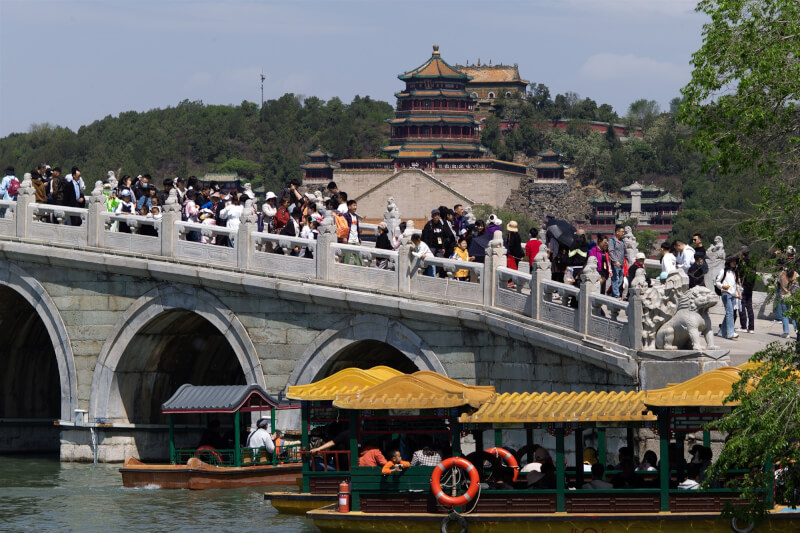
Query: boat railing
x=326 y=461
x=285 y=453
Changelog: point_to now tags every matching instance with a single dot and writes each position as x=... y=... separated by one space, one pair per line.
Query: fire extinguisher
x=344 y=497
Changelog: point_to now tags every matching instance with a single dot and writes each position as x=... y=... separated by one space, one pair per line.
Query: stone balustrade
x=562 y=308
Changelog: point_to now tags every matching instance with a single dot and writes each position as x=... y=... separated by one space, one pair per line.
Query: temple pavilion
x=319 y=169
x=434 y=120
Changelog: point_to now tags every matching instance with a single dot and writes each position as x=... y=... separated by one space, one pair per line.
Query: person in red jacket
x=370 y=455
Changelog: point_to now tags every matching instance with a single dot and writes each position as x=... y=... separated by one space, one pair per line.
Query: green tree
x=642 y=112
x=742 y=104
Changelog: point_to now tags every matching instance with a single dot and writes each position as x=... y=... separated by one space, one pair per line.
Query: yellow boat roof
x=421 y=390
x=345 y=381
x=521 y=408
x=705 y=390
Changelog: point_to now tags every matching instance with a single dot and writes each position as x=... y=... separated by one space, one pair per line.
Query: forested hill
x=267 y=146
x=263 y=146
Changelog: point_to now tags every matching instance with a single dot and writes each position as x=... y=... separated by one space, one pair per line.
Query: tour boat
x=419 y=499
x=206 y=467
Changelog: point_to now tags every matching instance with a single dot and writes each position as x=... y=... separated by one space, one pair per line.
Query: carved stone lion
x=690 y=322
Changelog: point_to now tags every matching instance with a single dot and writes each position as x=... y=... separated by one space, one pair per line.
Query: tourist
x=697 y=272
x=577 y=256
x=637 y=264
x=268 y=211
x=726 y=282
x=597 y=482
x=281 y=217
x=73 y=196
x=395 y=464
x=746 y=277
x=514 y=252
x=787 y=278
x=124 y=184
x=690 y=483
x=9 y=186
x=458 y=218
x=426 y=456
x=697 y=244
x=191 y=214
x=685 y=255
x=627 y=477
x=421 y=251
x=649 y=461
x=383 y=242
x=163 y=195
x=370 y=455
x=232 y=215
x=332 y=188
x=540 y=475
x=291 y=193
x=600 y=253
x=125 y=207
x=260 y=438
x=532 y=247
x=668 y=261
x=341 y=197
x=461 y=254
x=433 y=235
x=616 y=253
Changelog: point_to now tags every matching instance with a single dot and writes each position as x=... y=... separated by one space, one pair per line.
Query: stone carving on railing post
x=406 y=264
x=94 y=224
x=468 y=216
x=635 y=292
x=391 y=216
x=715 y=259
x=170 y=214
x=323 y=255
x=674 y=316
x=495 y=257
x=631 y=245
x=111 y=179
x=590 y=284
x=248 y=223
x=25 y=196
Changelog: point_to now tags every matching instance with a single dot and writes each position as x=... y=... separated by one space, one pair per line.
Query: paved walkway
x=747 y=344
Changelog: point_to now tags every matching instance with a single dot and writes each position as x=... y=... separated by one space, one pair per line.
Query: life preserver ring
x=205 y=448
x=436 y=482
x=453 y=516
x=506 y=456
x=738 y=529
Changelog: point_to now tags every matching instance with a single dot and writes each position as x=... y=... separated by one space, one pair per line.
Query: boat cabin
x=242 y=405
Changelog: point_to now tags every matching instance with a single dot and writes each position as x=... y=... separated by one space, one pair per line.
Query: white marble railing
x=490 y=285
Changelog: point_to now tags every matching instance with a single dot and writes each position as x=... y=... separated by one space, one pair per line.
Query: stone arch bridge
x=101 y=327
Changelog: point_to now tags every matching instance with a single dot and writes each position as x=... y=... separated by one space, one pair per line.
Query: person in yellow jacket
x=460 y=254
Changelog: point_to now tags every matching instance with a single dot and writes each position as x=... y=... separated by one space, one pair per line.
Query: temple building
x=319 y=169
x=549 y=168
x=434 y=156
x=650 y=205
x=489 y=82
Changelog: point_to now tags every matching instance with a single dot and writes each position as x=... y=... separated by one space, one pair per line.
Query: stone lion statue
x=690 y=322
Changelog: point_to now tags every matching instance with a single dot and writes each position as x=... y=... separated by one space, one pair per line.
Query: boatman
x=260 y=438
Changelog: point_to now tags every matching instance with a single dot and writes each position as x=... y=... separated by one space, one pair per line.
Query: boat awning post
x=529 y=444
x=680 y=439
x=355 y=429
x=560 y=471
x=498 y=437
x=455 y=434
x=663 y=437
x=304 y=421
x=172 y=458
x=579 y=457
x=237 y=450
x=478 y=435
x=706 y=438
x=601 y=446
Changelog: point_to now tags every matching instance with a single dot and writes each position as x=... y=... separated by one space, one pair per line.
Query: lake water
x=41 y=494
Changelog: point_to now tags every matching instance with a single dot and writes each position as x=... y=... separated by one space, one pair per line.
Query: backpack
x=342 y=227
x=13 y=187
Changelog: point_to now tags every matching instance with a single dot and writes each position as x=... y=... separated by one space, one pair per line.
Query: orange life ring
x=210 y=449
x=436 y=482
x=506 y=456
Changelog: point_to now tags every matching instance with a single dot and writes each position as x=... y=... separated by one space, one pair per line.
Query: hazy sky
x=73 y=62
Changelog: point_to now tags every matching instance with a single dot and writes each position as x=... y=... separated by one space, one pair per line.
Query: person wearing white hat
x=637 y=264
x=268 y=210
x=260 y=438
x=125 y=207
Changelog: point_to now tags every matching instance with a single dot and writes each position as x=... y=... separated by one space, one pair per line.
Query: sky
x=69 y=63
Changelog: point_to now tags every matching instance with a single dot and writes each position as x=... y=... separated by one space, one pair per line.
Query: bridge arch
x=24 y=285
x=366 y=334
x=162 y=314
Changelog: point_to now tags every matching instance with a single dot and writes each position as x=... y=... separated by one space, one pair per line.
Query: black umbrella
x=479 y=245
x=562 y=231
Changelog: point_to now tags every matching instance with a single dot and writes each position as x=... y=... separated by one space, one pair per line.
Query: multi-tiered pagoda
x=435 y=121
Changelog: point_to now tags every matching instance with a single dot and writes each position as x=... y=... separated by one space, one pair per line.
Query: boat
x=422 y=499
x=207 y=467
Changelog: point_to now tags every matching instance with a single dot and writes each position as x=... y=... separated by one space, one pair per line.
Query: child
x=461 y=254
x=697 y=272
x=394 y=464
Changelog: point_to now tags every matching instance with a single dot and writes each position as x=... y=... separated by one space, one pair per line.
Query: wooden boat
x=407 y=501
x=206 y=467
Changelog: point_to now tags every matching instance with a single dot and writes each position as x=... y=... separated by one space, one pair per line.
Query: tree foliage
x=742 y=104
x=265 y=145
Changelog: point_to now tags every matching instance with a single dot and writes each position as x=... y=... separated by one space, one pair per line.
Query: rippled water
x=40 y=494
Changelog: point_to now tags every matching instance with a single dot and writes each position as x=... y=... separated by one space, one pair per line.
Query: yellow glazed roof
x=345 y=381
x=422 y=390
x=520 y=408
x=705 y=390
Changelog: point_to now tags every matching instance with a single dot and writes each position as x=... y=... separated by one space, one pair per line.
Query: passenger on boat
x=625 y=453
x=503 y=479
x=649 y=462
x=589 y=458
x=427 y=456
x=627 y=478
x=260 y=438
x=370 y=455
x=317 y=458
x=692 y=473
x=541 y=475
x=212 y=436
x=701 y=456
x=341 y=442
x=597 y=482
x=396 y=464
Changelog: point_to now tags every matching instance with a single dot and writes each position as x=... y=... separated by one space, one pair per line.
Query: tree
x=763 y=430
x=642 y=112
x=742 y=104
